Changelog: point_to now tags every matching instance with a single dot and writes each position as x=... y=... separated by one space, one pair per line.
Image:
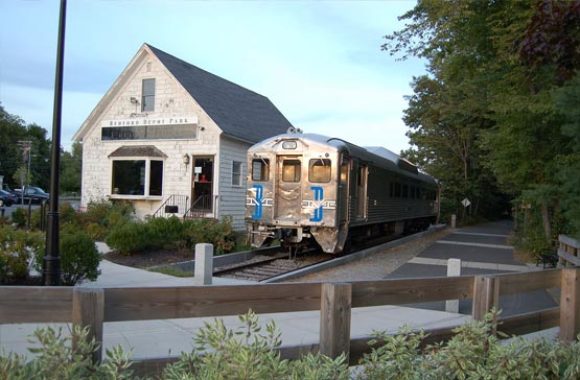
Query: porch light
x=186 y=159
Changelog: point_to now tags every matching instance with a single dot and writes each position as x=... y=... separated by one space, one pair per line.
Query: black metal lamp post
x=51 y=260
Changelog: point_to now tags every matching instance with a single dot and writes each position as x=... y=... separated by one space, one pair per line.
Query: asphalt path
x=483 y=249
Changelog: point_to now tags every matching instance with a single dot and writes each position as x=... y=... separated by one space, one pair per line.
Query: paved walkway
x=482 y=249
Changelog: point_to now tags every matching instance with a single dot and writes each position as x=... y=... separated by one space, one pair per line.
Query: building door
x=202 y=185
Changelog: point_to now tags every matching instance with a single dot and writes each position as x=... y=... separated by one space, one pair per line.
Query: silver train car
x=306 y=187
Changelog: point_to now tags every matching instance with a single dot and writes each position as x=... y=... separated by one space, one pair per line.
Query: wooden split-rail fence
x=568 y=251
x=93 y=307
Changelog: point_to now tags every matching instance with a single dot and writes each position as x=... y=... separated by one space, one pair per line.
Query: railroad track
x=262 y=267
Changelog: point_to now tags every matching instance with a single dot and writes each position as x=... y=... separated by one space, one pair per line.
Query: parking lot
x=7 y=211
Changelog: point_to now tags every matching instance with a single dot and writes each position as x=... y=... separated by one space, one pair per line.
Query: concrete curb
x=353 y=256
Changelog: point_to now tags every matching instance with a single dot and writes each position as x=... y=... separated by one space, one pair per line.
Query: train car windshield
x=260 y=169
x=291 y=171
x=319 y=170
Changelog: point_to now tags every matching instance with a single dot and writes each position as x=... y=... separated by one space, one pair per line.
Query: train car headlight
x=289 y=145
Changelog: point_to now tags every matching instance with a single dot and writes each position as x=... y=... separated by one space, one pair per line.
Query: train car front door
x=289 y=188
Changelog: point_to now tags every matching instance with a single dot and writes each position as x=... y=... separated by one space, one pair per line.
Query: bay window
x=140 y=177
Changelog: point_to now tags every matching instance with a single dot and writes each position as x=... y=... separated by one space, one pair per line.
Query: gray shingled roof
x=239 y=112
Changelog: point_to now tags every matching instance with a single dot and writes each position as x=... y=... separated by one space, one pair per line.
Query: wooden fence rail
x=568 y=251
x=93 y=307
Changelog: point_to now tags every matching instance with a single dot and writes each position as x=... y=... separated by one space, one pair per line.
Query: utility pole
x=51 y=260
x=26 y=146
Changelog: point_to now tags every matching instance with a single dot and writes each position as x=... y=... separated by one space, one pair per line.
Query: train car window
x=397 y=190
x=260 y=169
x=405 y=192
x=319 y=170
x=344 y=172
x=392 y=190
x=419 y=193
x=412 y=192
x=291 y=171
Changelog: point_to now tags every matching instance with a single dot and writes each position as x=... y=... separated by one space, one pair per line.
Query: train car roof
x=380 y=156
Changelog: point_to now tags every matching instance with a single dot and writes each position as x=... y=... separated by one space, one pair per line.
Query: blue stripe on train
x=318 y=196
x=257 y=215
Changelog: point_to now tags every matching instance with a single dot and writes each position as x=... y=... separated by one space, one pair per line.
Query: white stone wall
x=232 y=200
x=171 y=100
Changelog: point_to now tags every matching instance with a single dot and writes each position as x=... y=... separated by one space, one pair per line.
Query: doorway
x=202 y=185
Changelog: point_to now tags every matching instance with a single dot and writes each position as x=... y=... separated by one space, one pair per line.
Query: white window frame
x=147 y=179
x=143 y=96
x=239 y=184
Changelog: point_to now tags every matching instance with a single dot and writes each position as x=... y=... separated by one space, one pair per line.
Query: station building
x=172 y=139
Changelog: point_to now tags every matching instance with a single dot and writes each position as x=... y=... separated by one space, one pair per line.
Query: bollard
x=453 y=221
x=453 y=270
x=203 y=264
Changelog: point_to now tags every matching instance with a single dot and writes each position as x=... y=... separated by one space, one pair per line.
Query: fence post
x=203 y=273
x=485 y=296
x=453 y=270
x=453 y=221
x=335 y=313
x=88 y=310
x=570 y=305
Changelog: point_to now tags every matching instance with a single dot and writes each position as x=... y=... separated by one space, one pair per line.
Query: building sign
x=162 y=128
x=141 y=121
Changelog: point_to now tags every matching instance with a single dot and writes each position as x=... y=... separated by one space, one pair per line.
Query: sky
x=319 y=62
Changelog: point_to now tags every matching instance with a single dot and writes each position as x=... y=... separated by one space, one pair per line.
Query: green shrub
x=166 y=232
x=474 y=352
x=55 y=359
x=129 y=238
x=101 y=217
x=67 y=215
x=16 y=247
x=79 y=257
x=171 y=233
x=220 y=234
x=249 y=353
x=20 y=217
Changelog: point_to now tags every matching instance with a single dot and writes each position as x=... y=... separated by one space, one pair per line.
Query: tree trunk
x=546 y=220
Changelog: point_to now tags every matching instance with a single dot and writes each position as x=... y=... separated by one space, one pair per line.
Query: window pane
x=319 y=171
x=148 y=95
x=344 y=172
x=236 y=173
x=129 y=177
x=260 y=169
x=291 y=171
x=156 y=179
x=149 y=86
x=397 y=190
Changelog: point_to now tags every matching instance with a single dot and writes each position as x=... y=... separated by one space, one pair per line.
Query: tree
x=70 y=165
x=498 y=105
x=450 y=106
x=12 y=130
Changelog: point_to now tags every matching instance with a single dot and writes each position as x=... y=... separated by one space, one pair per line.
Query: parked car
x=9 y=190
x=33 y=193
x=8 y=199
